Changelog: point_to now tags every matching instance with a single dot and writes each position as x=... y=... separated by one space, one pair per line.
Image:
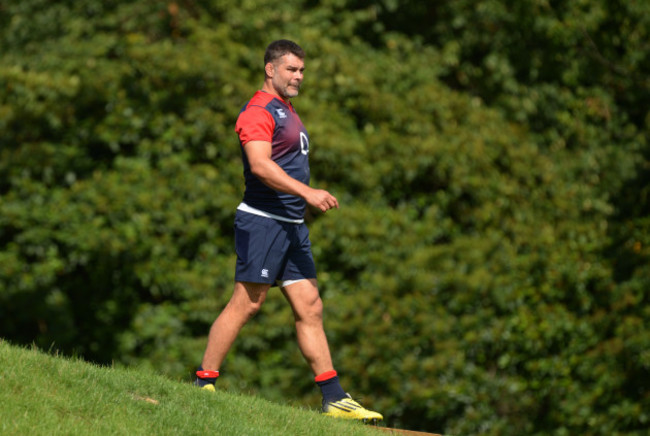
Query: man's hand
x=321 y=199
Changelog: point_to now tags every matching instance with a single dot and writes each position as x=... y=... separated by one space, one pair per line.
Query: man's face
x=287 y=75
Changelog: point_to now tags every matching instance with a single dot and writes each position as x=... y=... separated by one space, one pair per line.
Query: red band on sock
x=207 y=374
x=325 y=376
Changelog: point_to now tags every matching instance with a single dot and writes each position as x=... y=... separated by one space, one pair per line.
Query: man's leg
x=246 y=300
x=308 y=312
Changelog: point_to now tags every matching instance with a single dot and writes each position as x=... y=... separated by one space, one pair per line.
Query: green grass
x=45 y=394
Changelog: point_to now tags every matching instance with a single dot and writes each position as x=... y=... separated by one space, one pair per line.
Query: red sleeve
x=255 y=124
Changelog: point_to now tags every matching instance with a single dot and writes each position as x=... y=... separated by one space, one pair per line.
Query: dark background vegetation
x=488 y=270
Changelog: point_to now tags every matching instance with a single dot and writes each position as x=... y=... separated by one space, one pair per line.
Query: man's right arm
x=273 y=176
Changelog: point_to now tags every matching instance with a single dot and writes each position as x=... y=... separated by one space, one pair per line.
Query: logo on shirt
x=304 y=143
x=265 y=273
x=281 y=113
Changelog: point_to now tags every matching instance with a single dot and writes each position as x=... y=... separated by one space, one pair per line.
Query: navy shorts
x=269 y=250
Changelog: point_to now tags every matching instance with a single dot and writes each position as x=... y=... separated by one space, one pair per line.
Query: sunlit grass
x=45 y=394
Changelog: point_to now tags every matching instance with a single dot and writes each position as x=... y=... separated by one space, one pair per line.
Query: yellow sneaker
x=347 y=408
x=209 y=388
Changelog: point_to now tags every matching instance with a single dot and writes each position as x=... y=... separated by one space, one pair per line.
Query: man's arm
x=273 y=176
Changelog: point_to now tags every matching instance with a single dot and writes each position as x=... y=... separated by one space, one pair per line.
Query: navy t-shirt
x=268 y=118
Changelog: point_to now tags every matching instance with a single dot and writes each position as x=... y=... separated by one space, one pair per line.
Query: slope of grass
x=45 y=394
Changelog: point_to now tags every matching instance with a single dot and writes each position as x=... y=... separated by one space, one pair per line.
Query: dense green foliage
x=487 y=270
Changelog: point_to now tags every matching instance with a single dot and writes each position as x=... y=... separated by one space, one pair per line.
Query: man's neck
x=269 y=89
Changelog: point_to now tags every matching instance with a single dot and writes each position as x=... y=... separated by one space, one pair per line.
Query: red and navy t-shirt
x=268 y=118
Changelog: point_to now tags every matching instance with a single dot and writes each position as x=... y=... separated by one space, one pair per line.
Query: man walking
x=271 y=238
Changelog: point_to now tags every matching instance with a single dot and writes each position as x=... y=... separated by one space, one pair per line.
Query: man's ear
x=269 y=68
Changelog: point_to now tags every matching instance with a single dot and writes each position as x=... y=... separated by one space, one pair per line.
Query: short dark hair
x=281 y=47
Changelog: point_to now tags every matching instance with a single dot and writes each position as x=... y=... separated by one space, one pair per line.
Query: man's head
x=284 y=65
x=281 y=47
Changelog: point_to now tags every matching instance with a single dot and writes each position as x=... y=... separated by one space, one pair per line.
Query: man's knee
x=252 y=308
x=314 y=309
x=248 y=299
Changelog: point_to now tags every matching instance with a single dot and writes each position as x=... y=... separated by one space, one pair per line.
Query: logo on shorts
x=265 y=273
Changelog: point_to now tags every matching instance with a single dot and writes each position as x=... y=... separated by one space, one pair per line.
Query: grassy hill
x=46 y=394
